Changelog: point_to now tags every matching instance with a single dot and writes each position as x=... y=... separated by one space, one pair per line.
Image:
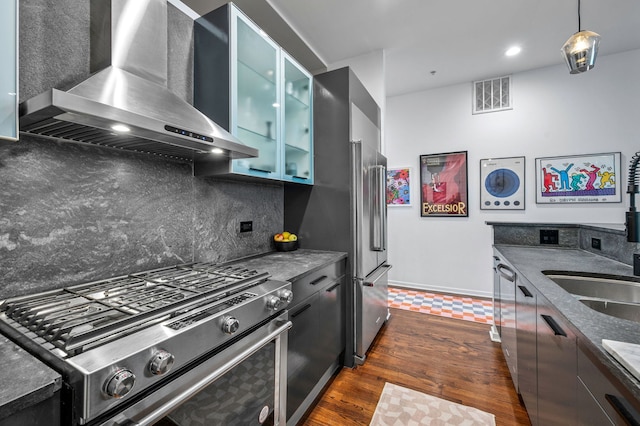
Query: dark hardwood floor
x=448 y=358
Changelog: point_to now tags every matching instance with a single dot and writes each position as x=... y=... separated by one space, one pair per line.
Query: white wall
x=554 y=114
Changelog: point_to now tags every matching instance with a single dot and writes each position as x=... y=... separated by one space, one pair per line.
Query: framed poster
x=588 y=178
x=502 y=183
x=399 y=186
x=443 y=185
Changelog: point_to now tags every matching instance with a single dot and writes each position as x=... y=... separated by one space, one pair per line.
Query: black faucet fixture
x=633 y=216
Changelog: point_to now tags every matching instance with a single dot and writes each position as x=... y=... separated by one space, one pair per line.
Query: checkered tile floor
x=460 y=307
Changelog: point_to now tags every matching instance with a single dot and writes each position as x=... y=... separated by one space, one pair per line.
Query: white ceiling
x=462 y=40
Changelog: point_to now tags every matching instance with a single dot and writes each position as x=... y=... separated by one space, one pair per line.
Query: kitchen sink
x=602 y=286
x=609 y=294
x=629 y=311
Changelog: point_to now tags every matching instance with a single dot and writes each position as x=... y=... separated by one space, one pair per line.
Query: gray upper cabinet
x=248 y=84
x=9 y=71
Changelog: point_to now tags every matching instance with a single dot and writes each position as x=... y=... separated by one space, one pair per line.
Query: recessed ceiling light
x=512 y=51
x=120 y=128
x=217 y=151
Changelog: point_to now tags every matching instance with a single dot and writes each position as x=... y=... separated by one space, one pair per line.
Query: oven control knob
x=119 y=383
x=161 y=363
x=230 y=325
x=273 y=302
x=286 y=296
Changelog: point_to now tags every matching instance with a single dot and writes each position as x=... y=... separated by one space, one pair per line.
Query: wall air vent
x=492 y=95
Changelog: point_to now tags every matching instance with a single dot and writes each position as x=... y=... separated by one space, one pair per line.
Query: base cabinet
x=44 y=413
x=590 y=412
x=539 y=347
x=505 y=281
x=304 y=368
x=317 y=337
x=527 y=339
x=601 y=399
x=557 y=368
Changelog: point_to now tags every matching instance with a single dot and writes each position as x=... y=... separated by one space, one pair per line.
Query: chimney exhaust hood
x=129 y=91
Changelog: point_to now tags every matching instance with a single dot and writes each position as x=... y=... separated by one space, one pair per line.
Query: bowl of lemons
x=285 y=241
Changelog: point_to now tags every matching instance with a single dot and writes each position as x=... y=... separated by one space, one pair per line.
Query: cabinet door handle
x=260 y=170
x=317 y=280
x=525 y=291
x=557 y=330
x=629 y=414
x=506 y=272
x=304 y=308
x=333 y=287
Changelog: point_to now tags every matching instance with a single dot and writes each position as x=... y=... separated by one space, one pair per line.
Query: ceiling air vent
x=492 y=95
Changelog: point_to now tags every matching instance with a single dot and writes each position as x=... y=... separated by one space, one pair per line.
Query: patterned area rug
x=445 y=305
x=400 y=406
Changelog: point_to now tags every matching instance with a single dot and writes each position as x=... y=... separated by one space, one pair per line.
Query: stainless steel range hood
x=129 y=47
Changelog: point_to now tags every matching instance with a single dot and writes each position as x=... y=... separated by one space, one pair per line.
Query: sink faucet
x=633 y=217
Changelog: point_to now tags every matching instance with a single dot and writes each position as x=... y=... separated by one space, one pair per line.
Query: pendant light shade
x=581 y=49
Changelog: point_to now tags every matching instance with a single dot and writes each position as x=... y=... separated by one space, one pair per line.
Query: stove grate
x=74 y=318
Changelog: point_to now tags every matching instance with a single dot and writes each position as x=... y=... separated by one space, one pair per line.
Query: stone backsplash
x=609 y=240
x=73 y=213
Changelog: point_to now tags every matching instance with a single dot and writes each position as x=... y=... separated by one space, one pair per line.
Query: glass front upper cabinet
x=248 y=84
x=255 y=96
x=297 y=121
x=9 y=71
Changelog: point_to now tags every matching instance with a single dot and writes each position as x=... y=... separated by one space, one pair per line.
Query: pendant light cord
x=579 y=25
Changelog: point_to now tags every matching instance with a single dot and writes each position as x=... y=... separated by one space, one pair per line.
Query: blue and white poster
x=502 y=184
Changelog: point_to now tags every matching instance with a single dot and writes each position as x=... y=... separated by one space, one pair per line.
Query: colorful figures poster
x=590 y=178
x=443 y=185
x=399 y=186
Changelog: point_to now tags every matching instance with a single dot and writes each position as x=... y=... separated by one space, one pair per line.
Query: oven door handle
x=176 y=401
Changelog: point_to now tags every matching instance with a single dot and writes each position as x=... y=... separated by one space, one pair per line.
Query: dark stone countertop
x=25 y=380
x=590 y=326
x=290 y=265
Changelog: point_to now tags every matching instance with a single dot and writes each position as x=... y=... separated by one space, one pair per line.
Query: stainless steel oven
x=175 y=345
x=244 y=384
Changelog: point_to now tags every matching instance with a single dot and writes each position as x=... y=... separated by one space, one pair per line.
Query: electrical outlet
x=548 y=236
x=246 y=226
x=596 y=243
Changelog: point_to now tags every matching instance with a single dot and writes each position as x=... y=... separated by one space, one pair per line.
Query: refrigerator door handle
x=378 y=208
x=381 y=271
x=356 y=186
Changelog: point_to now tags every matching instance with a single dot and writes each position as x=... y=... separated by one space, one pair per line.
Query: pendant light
x=581 y=49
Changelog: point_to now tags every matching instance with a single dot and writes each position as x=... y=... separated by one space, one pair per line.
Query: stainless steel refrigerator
x=345 y=210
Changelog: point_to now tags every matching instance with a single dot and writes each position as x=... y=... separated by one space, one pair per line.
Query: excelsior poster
x=443 y=185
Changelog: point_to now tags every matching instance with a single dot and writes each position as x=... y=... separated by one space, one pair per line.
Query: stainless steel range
x=132 y=349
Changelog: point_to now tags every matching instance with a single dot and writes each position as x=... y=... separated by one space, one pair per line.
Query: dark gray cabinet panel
x=44 y=413
x=331 y=333
x=526 y=310
x=303 y=358
x=590 y=412
x=506 y=279
x=608 y=399
x=317 y=337
x=557 y=367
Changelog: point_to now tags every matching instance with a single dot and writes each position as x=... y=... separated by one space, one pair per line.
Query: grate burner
x=76 y=318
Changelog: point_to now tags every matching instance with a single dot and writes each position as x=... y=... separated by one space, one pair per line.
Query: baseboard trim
x=440 y=289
